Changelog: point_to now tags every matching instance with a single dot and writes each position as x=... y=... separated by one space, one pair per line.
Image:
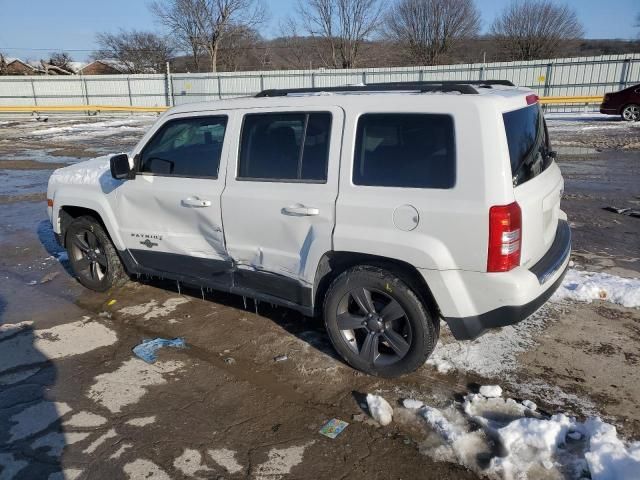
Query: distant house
x=103 y=67
x=15 y=66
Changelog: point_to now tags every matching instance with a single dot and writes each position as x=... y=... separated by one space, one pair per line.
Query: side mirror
x=120 y=168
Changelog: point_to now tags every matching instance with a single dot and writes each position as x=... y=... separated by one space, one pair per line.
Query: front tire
x=631 y=113
x=377 y=323
x=92 y=256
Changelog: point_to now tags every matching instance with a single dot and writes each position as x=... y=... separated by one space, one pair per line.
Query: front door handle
x=195 y=202
x=300 y=211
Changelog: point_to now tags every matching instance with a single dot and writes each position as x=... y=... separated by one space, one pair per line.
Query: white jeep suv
x=383 y=208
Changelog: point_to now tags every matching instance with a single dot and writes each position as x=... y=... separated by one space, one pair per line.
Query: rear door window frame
x=307 y=114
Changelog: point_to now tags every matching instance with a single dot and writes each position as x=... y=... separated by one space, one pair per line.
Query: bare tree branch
x=534 y=29
x=136 y=51
x=341 y=26
x=429 y=29
x=61 y=59
x=180 y=18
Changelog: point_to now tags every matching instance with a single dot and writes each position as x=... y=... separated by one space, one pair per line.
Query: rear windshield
x=528 y=143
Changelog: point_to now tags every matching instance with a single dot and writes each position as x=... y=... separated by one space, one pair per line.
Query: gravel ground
x=74 y=399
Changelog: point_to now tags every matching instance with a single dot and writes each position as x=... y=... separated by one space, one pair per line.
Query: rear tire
x=92 y=256
x=377 y=323
x=631 y=113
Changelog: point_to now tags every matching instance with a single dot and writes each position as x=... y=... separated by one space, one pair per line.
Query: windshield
x=528 y=143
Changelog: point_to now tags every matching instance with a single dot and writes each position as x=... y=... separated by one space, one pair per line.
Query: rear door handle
x=300 y=211
x=195 y=202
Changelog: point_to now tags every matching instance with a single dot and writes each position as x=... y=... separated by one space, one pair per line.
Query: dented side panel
x=263 y=232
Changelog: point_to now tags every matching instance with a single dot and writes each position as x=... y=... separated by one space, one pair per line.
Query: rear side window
x=405 y=150
x=285 y=147
x=528 y=143
x=188 y=147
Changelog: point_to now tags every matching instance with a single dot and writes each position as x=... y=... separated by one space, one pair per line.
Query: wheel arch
x=68 y=213
x=333 y=263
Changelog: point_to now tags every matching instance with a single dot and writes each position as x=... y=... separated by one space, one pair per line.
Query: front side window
x=405 y=150
x=285 y=146
x=189 y=147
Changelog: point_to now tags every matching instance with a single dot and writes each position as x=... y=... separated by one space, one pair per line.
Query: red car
x=625 y=103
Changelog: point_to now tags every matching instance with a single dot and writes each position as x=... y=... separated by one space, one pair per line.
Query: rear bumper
x=533 y=287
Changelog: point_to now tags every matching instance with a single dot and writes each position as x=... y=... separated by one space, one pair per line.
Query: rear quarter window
x=405 y=150
x=528 y=143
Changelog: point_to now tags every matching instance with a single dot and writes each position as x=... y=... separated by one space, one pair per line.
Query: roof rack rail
x=464 y=87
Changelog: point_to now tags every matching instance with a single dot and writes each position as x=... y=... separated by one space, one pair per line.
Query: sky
x=31 y=29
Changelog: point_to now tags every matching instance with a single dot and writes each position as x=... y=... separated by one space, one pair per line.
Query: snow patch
x=85 y=420
x=10 y=466
x=99 y=441
x=52 y=343
x=227 y=459
x=152 y=309
x=142 y=421
x=10 y=329
x=129 y=383
x=145 y=469
x=280 y=462
x=491 y=391
x=55 y=442
x=36 y=418
x=516 y=442
x=380 y=409
x=90 y=172
x=123 y=448
x=412 y=404
x=190 y=463
x=588 y=286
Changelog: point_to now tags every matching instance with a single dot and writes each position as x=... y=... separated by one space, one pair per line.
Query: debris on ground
x=147 y=349
x=229 y=360
x=333 y=428
x=281 y=358
x=111 y=302
x=49 y=276
x=379 y=409
x=630 y=212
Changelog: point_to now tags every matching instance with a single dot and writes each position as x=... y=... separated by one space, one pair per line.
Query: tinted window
x=186 y=147
x=528 y=143
x=285 y=146
x=405 y=150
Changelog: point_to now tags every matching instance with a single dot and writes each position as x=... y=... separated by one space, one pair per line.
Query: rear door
x=279 y=203
x=169 y=215
x=538 y=184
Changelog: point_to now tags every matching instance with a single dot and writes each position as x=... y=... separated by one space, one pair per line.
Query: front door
x=278 y=207
x=170 y=217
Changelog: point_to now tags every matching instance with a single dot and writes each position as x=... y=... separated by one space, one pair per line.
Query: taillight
x=505 y=237
x=49 y=202
x=531 y=99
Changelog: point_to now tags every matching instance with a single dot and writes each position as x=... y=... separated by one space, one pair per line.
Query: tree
x=205 y=24
x=341 y=26
x=3 y=65
x=61 y=59
x=180 y=17
x=534 y=29
x=430 y=28
x=136 y=51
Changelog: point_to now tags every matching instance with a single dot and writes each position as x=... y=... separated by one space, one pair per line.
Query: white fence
x=556 y=77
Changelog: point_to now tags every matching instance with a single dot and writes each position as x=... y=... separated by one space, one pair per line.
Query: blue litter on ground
x=147 y=349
